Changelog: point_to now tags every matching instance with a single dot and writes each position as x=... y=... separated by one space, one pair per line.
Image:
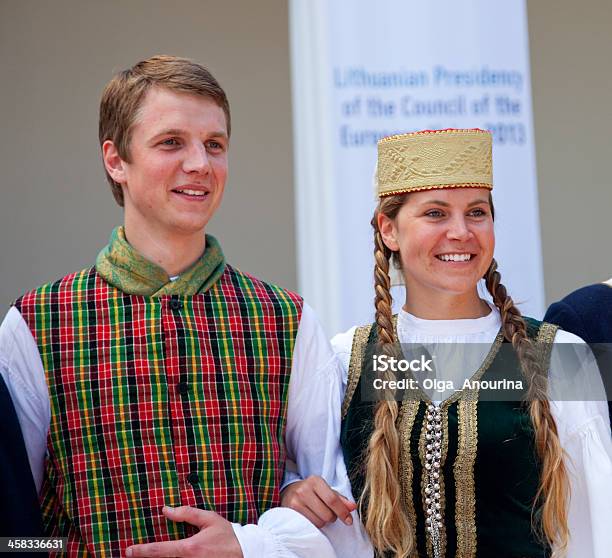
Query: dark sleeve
x=19 y=507
x=566 y=318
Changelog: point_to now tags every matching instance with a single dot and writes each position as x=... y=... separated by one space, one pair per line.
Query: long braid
x=386 y=521
x=554 y=487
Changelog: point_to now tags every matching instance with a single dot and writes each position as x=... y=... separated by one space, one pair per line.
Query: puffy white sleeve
x=282 y=533
x=584 y=433
x=312 y=440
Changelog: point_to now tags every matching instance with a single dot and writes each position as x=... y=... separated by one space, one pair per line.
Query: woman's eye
x=478 y=212
x=434 y=213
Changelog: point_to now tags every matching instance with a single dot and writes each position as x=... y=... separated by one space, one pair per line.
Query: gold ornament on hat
x=434 y=159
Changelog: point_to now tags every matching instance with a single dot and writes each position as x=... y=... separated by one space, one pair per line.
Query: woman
x=460 y=476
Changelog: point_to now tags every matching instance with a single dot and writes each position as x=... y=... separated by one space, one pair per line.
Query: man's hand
x=216 y=538
x=316 y=501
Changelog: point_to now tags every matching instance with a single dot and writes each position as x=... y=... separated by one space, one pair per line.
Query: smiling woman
x=443 y=241
x=453 y=474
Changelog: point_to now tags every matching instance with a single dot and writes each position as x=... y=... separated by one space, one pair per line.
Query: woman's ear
x=388 y=232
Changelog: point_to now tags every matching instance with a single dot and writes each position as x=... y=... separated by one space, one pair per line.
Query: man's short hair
x=124 y=94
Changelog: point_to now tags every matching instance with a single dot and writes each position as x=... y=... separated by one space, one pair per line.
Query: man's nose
x=196 y=159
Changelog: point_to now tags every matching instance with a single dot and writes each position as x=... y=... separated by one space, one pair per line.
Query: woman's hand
x=316 y=501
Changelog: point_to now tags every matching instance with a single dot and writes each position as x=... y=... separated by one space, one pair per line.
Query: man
x=162 y=376
x=587 y=312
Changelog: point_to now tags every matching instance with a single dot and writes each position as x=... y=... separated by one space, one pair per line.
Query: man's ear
x=115 y=165
x=388 y=231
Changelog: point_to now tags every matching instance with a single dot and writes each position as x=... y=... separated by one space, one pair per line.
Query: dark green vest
x=489 y=471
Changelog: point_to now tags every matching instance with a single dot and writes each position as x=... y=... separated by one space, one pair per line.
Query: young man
x=162 y=376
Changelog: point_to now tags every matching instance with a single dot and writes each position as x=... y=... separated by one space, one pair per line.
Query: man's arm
x=312 y=443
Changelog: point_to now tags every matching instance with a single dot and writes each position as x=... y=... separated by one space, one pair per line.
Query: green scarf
x=123 y=267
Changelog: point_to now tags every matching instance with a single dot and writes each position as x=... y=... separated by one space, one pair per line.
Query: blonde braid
x=554 y=486
x=386 y=521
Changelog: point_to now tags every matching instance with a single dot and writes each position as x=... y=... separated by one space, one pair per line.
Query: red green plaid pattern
x=167 y=400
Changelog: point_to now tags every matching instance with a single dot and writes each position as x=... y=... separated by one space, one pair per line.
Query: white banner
x=363 y=70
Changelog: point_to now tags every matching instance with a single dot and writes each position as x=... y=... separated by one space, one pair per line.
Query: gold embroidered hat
x=434 y=159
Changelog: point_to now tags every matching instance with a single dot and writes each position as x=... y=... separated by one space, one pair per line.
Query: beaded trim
x=438 y=187
x=442 y=479
x=423 y=487
x=433 y=450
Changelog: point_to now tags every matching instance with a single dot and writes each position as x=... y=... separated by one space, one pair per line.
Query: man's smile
x=192 y=192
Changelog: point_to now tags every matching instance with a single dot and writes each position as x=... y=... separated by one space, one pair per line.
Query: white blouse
x=583 y=426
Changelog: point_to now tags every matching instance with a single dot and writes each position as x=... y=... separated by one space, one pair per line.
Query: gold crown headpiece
x=434 y=159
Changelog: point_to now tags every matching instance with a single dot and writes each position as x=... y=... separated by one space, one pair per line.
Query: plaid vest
x=166 y=400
